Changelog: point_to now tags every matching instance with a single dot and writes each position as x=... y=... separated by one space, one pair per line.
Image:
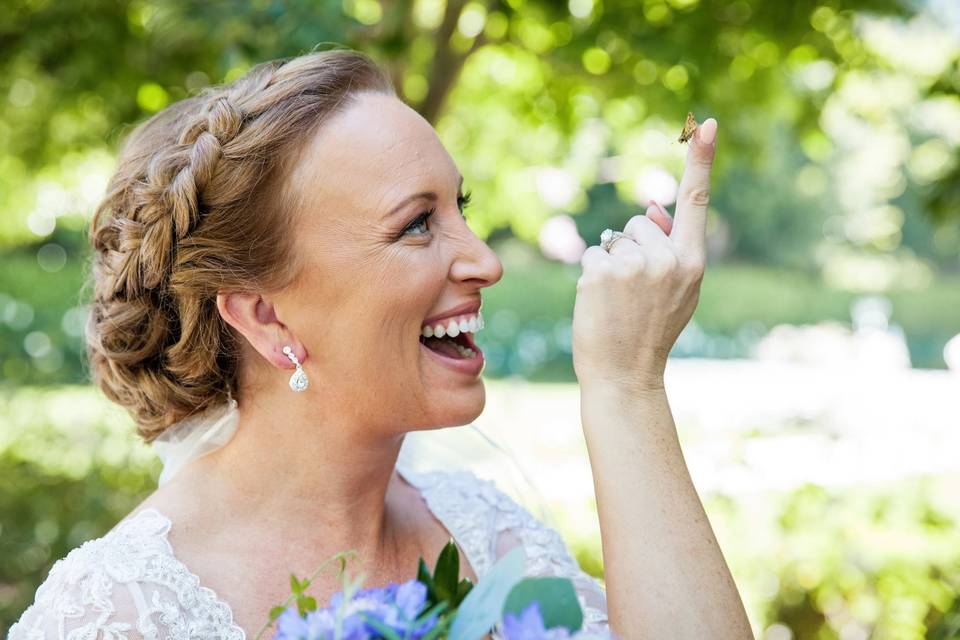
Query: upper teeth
x=454 y=326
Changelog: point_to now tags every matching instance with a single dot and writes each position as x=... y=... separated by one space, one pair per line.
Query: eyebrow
x=426 y=195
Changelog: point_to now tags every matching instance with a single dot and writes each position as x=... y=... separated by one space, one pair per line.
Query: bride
x=289 y=252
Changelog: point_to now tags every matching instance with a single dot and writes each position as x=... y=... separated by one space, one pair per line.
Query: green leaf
x=423 y=617
x=306 y=603
x=423 y=575
x=557 y=597
x=447 y=572
x=384 y=630
x=276 y=612
x=435 y=609
x=483 y=606
x=295 y=585
x=462 y=590
x=437 y=630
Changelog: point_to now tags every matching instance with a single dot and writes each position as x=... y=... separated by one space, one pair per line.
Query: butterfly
x=688 y=128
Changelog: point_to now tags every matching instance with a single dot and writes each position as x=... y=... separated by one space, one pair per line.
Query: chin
x=457 y=408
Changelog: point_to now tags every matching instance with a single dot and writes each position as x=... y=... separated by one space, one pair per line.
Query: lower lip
x=469 y=366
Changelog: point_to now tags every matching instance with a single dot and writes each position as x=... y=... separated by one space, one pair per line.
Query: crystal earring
x=298 y=381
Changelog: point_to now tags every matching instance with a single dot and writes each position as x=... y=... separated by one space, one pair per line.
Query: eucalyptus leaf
x=556 y=596
x=483 y=606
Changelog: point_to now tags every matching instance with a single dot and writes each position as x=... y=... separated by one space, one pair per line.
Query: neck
x=321 y=478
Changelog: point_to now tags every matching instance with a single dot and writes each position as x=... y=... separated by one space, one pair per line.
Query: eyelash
x=463 y=201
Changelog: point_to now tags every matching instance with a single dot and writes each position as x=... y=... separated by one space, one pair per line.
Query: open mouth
x=461 y=347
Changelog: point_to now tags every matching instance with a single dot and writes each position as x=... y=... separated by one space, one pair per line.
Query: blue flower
x=396 y=606
x=529 y=626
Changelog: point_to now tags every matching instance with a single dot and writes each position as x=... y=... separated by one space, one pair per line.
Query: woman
x=294 y=243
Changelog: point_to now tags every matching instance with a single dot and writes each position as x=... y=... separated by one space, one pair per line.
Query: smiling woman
x=304 y=217
x=302 y=214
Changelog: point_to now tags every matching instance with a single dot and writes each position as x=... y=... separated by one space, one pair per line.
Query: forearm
x=665 y=574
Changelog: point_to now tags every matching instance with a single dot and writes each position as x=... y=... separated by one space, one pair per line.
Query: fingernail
x=707 y=131
x=660 y=208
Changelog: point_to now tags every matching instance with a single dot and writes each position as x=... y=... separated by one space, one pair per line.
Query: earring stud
x=298 y=381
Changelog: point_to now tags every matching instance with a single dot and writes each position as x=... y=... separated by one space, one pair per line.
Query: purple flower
x=318 y=625
x=396 y=606
x=529 y=626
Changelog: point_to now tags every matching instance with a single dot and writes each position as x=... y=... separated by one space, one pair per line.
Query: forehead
x=375 y=152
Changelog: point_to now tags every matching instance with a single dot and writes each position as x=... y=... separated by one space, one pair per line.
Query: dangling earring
x=298 y=381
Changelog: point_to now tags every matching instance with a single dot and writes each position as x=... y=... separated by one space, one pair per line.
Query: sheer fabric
x=129 y=585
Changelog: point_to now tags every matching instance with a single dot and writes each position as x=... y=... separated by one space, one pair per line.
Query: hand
x=633 y=302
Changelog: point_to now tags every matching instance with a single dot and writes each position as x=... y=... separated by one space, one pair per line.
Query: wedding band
x=609 y=236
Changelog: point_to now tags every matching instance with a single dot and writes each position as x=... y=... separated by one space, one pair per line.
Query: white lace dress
x=129 y=584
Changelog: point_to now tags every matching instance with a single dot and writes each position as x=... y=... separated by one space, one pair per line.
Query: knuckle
x=664 y=266
x=698 y=196
x=704 y=155
x=631 y=264
x=603 y=269
x=633 y=223
x=694 y=269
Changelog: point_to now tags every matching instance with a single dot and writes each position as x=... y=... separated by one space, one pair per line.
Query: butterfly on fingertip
x=688 y=128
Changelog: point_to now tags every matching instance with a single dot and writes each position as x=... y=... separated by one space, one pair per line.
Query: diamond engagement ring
x=609 y=236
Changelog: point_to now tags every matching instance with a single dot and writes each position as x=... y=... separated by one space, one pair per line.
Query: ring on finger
x=609 y=236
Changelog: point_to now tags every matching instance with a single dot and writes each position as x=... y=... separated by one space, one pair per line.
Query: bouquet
x=437 y=606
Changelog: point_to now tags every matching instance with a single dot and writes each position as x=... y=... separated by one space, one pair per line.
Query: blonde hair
x=194 y=208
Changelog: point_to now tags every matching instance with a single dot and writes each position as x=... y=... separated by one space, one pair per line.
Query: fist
x=633 y=301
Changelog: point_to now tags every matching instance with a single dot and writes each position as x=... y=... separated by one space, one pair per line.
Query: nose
x=476 y=263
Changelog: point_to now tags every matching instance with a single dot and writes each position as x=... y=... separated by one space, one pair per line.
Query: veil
x=450 y=449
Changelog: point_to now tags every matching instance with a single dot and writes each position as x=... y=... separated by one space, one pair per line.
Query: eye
x=464 y=201
x=420 y=222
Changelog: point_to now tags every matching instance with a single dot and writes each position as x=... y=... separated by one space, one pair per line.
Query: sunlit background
x=816 y=391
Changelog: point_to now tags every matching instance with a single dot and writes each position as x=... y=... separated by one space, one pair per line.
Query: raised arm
x=665 y=574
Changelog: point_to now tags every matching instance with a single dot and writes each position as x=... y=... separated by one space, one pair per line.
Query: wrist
x=626 y=387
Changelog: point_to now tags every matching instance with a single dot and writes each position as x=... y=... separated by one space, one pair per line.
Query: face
x=387 y=249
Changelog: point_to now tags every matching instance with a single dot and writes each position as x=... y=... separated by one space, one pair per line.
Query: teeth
x=466 y=352
x=454 y=328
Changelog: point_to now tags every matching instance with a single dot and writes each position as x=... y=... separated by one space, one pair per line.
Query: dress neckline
x=414 y=478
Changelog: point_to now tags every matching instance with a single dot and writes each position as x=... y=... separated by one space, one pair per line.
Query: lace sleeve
x=78 y=602
x=124 y=586
x=548 y=555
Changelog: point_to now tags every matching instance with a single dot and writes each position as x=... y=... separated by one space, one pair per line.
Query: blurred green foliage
x=837 y=175
x=70 y=468
x=879 y=561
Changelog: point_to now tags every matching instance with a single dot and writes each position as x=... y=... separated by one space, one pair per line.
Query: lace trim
x=202 y=601
x=547 y=554
x=451 y=498
x=476 y=512
x=135 y=553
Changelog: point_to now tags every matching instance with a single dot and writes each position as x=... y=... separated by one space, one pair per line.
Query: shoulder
x=490 y=519
x=114 y=587
x=478 y=507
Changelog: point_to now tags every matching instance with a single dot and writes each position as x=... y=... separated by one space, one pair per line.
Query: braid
x=178 y=223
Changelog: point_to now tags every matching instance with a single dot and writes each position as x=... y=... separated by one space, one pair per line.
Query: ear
x=256 y=320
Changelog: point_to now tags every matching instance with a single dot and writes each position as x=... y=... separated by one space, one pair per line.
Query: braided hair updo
x=194 y=208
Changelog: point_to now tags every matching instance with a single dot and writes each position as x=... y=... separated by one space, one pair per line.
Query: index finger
x=690 y=217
